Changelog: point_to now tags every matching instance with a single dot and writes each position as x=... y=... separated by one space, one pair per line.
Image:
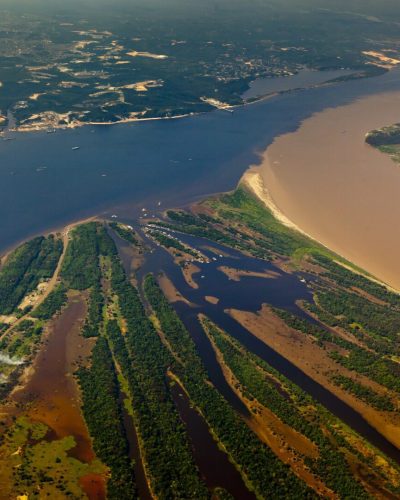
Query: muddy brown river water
x=337 y=188
x=51 y=394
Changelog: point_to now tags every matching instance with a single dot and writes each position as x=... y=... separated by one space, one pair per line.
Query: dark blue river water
x=249 y=295
x=44 y=183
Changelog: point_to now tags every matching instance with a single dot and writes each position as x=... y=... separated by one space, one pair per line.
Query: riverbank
x=325 y=181
x=259 y=90
x=241 y=222
x=52 y=123
x=118 y=170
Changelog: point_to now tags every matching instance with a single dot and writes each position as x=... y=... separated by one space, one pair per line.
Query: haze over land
x=64 y=64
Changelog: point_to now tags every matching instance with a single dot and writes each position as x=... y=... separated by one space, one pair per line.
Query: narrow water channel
x=213 y=463
x=331 y=402
x=249 y=295
x=134 y=452
x=144 y=493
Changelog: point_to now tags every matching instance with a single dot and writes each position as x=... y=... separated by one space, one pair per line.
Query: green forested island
x=387 y=140
x=132 y=358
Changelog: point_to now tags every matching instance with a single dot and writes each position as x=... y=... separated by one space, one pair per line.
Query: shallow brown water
x=338 y=189
x=52 y=394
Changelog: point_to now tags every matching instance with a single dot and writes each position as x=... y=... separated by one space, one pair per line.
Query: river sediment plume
x=325 y=181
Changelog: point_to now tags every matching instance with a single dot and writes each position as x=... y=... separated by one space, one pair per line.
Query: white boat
x=75 y=148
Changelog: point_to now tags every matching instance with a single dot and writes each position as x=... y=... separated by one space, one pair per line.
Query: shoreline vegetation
x=53 y=121
x=174 y=60
x=253 y=181
x=137 y=346
x=243 y=211
x=386 y=140
x=237 y=347
x=312 y=186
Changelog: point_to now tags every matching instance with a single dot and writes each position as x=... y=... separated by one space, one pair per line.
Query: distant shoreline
x=50 y=127
x=78 y=124
x=98 y=212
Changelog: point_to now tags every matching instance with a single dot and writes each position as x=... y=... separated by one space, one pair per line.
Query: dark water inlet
x=304 y=78
x=331 y=402
x=134 y=452
x=249 y=295
x=191 y=322
x=213 y=463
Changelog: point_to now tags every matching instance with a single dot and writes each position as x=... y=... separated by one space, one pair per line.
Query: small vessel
x=75 y=148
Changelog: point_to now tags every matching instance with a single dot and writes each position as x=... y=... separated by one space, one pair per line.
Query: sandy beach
x=325 y=181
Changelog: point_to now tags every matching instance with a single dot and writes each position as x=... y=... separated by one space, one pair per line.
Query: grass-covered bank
x=137 y=349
